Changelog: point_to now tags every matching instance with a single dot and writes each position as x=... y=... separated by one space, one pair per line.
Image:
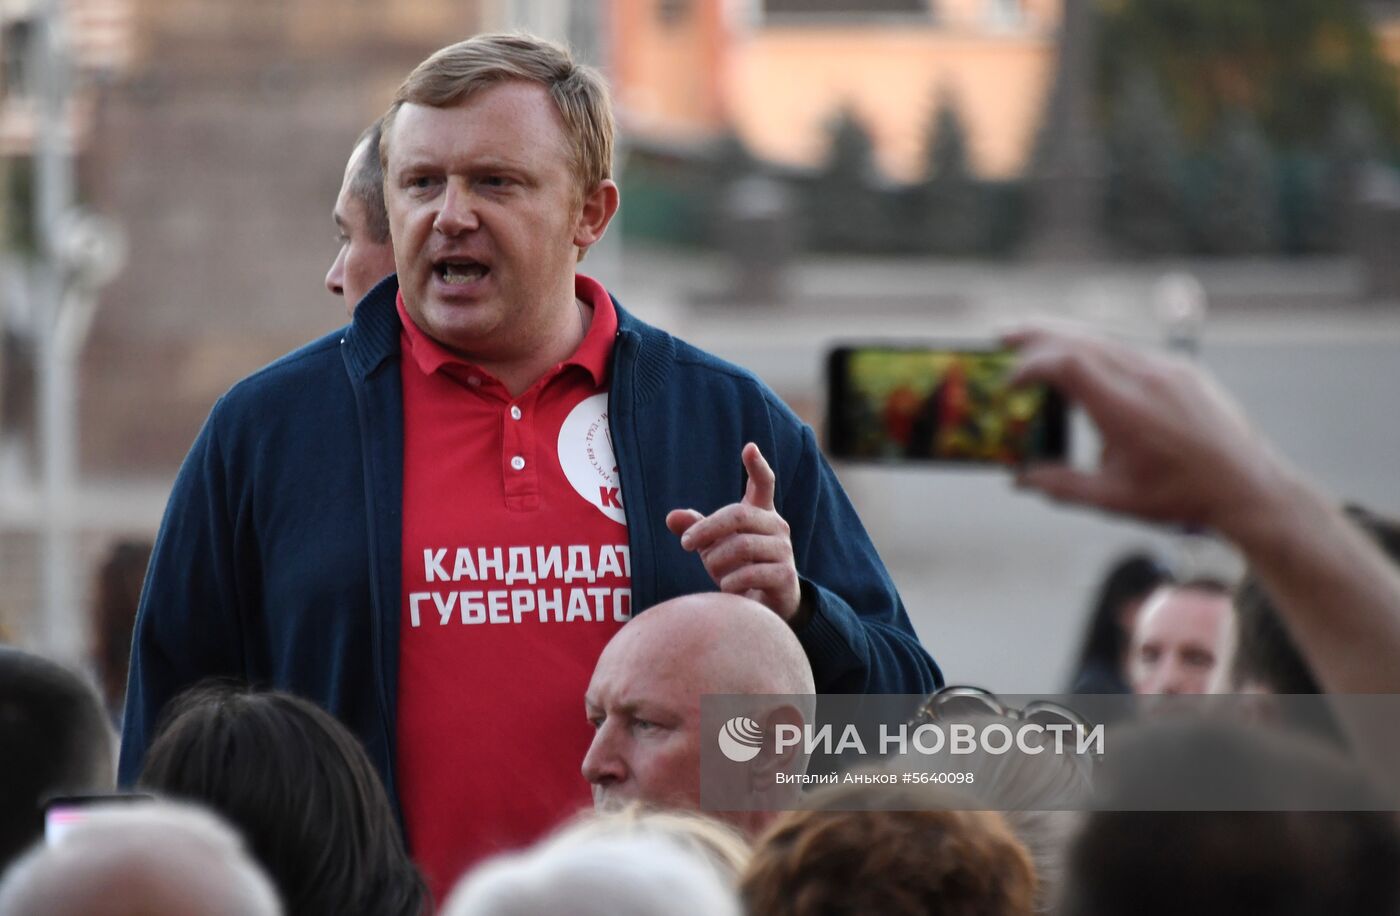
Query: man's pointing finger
x=762 y=481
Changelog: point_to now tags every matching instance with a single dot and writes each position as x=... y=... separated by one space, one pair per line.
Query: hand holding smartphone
x=912 y=404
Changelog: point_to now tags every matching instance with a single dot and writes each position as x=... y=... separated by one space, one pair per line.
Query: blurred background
x=1219 y=178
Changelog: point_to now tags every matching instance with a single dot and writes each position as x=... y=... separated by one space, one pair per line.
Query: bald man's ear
x=770 y=762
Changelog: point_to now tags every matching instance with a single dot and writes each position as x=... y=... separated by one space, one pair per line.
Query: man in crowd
x=54 y=740
x=1177 y=449
x=644 y=702
x=156 y=859
x=1181 y=637
x=366 y=254
x=432 y=524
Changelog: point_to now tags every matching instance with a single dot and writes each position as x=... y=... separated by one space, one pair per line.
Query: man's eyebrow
x=411 y=163
x=644 y=709
x=500 y=163
x=337 y=219
x=411 y=160
x=629 y=708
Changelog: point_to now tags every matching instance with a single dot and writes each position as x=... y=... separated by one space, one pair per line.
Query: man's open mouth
x=460 y=272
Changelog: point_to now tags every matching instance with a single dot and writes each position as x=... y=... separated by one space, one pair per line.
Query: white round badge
x=586 y=455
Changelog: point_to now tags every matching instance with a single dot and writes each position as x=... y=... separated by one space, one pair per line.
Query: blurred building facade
x=1385 y=19
x=776 y=71
x=215 y=134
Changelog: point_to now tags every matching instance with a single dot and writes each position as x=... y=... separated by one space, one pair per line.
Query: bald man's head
x=644 y=698
x=722 y=643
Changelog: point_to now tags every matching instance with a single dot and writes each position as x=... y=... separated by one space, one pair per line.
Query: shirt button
x=473 y=381
x=518 y=463
x=514 y=412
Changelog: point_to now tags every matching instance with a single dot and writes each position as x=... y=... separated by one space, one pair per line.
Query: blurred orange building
x=1385 y=22
x=215 y=132
x=775 y=72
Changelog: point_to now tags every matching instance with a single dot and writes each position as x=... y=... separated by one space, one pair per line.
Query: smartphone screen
x=928 y=404
x=63 y=812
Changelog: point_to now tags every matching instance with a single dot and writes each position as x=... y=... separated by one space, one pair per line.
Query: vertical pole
x=60 y=633
x=1181 y=305
x=1067 y=168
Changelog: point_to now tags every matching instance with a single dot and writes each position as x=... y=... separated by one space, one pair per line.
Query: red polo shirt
x=515 y=574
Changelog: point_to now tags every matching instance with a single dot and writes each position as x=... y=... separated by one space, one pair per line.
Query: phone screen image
x=61 y=814
x=938 y=405
x=59 y=820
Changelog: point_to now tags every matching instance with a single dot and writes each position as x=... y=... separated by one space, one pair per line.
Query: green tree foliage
x=668 y=197
x=946 y=144
x=851 y=153
x=729 y=160
x=1145 y=192
x=1291 y=64
x=843 y=206
x=951 y=200
x=1350 y=145
x=1239 y=208
x=1319 y=190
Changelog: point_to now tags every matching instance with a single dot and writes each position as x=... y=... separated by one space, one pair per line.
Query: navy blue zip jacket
x=278 y=557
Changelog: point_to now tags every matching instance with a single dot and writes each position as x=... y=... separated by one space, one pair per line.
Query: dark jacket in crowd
x=278 y=561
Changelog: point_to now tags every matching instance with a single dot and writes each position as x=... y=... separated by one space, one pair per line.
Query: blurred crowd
x=255 y=801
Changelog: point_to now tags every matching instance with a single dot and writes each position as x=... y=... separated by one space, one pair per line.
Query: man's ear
x=770 y=761
x=599 y=206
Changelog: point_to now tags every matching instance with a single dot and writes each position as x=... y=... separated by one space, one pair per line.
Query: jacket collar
x=649 y=350
x=373 y=334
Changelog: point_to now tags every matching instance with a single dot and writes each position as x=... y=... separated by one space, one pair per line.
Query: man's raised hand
x=1175 y=446
x=746 y=546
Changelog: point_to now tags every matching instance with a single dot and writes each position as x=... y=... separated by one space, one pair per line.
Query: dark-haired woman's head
x=300 y=788
x=1126 y=585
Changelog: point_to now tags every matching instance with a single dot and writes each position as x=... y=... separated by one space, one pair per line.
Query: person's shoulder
x=317 y=361
x=314 y=370
x=321 y=370
x=692 y=368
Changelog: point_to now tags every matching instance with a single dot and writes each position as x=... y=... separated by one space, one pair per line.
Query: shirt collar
x=593 y=354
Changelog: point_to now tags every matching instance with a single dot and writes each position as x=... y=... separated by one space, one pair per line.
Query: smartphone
x=903 y=403
x=62 y=812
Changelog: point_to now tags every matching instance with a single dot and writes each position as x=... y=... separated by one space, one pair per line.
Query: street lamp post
x=60 y=631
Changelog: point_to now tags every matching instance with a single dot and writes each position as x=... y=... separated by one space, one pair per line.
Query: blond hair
x=609 y=876
x=454 y=73
x=719 y=845
x=148 y=857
